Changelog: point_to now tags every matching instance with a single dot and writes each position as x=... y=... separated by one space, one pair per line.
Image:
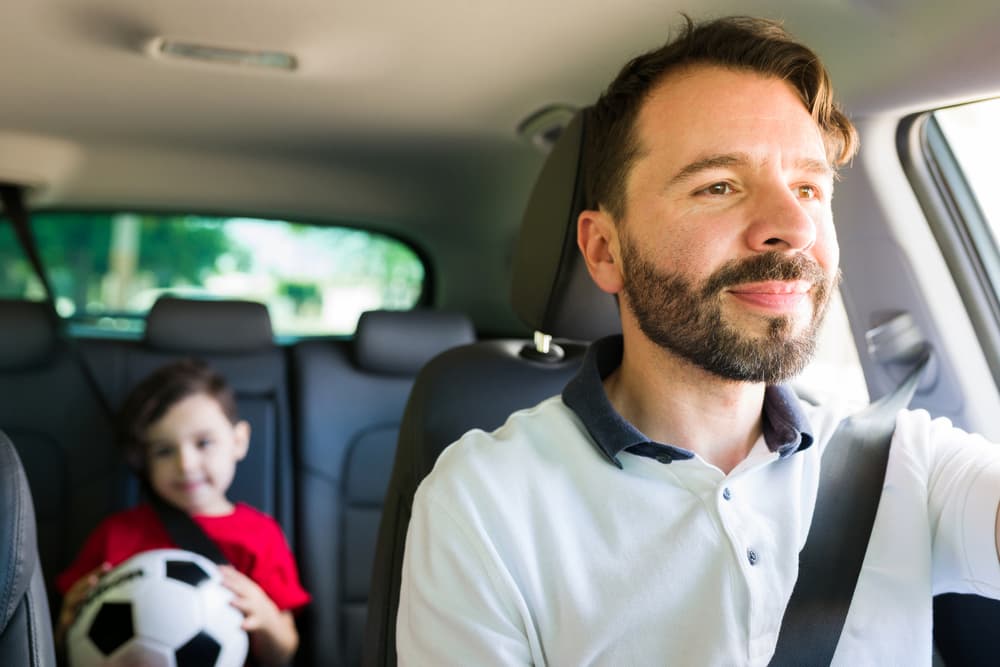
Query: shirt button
x=752 y=556
x=726 y=493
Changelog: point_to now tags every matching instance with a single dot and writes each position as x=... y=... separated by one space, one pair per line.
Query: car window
x=107 y=269
x=972 y=141
x=973 y=135
x=957 y=149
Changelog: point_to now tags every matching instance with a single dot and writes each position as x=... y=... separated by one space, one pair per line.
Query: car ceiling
x=402 y=115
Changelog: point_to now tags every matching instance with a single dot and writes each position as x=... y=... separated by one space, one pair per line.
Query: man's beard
x=688 y=319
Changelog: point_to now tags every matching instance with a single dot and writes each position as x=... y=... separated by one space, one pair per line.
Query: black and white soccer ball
x=162 y=608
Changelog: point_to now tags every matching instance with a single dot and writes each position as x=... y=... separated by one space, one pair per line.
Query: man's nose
x=780 y=222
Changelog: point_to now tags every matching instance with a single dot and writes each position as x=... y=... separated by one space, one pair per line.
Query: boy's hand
x=75 y=596
x=273 y=637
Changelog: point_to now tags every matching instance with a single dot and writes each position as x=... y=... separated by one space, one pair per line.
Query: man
x=653 y=513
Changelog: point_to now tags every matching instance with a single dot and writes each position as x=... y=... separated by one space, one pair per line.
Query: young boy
x=181 y=434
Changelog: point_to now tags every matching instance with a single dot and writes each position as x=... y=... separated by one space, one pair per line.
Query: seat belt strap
x=184 y=532
x=12 y=198
x=851 y=479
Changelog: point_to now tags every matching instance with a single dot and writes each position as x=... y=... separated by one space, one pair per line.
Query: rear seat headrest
x=27 y=333
x=208 y=327
x=401 y=342
x=552 y=291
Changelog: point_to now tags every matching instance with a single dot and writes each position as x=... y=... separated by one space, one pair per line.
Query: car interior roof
x=383 y=90
x=400 y=117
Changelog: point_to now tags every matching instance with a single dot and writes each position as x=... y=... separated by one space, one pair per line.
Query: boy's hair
x=737 y=43
x=157 y=393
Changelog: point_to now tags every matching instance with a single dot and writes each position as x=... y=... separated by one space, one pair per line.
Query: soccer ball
x=162 y=608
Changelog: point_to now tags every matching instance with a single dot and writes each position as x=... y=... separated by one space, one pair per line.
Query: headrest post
x=543 y=342
x=542 y=349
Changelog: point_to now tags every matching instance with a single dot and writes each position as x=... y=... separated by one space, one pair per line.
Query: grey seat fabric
x=479 y=385
x=25 y=625
x=62 y=432
x=352 y=397
x=235 y=338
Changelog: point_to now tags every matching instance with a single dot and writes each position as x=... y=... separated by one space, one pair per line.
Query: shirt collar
x=786 y=429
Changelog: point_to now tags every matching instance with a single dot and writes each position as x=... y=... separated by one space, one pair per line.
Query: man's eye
x=160 y=452
x=807 y=191
x=204 y=442
x=718 y=189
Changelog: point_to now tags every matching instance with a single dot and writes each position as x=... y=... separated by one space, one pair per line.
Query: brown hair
x=736 y=42
x=157 y=393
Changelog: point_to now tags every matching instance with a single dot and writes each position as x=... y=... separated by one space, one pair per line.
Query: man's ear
x=241 y=431
x=597 y=238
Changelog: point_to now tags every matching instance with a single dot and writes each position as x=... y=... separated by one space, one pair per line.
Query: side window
x=973 y=135
x=108 y=269
x=955 y=173
x=964 y=142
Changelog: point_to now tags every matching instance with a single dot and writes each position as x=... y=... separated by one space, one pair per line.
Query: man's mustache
x=765 y=267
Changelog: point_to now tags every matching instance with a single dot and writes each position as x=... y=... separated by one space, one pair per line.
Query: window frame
x=958 y=225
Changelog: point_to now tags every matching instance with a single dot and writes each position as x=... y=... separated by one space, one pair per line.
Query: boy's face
x=192 y=453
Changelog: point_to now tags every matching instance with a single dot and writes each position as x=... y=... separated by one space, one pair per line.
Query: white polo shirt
x=530 y=545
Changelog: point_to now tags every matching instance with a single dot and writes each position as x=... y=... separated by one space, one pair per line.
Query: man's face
x=727 y=244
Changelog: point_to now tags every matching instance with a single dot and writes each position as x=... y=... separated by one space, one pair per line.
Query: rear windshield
x=107 y=269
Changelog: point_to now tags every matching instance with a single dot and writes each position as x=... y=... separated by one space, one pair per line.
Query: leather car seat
x=350 y=397
x=25 y=625
x=481 y=384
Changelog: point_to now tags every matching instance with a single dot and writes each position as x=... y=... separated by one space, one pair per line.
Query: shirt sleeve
x=963 y=495
x=277 y=573
x=456 y=607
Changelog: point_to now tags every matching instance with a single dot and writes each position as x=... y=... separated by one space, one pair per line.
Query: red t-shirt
x=251 y=540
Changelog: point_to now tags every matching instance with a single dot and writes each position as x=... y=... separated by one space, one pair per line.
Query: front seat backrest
x=480 y=385
x=25 y=625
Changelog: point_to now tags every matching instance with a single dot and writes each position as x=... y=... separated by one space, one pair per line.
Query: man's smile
x=776 y=295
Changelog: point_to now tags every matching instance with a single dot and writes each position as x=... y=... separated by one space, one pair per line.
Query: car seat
x=350 y=397
x=479 y=385
x=62 y=431
x=25 y=626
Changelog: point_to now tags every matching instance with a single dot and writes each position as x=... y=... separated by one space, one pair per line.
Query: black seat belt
x=851 y=480
x=11 y=196
x=184 y=532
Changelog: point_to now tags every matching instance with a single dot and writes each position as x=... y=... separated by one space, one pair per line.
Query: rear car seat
x=235 y=338
x=61 y=430
x=351 y=401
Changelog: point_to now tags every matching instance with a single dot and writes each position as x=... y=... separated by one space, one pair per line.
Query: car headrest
x=19 y=556
x=401 y=342
x=197 y=326
x=552 y=291
x=27 y=334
